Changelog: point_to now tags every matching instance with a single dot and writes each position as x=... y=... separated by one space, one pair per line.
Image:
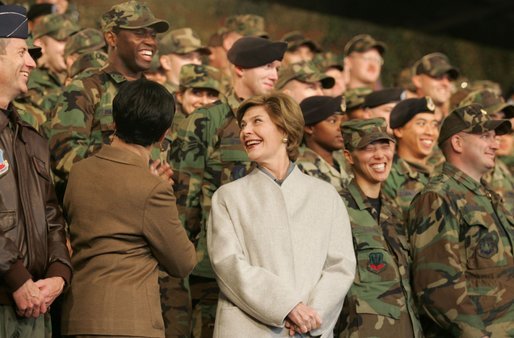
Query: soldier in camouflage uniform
x=500 y=179
x=354 y=99
x=302 y=80
x=462 y=236
x=363 y=61
x=380 y=302
x=331 y=64
x=299 y=48
x=321 y=152
x=416 y=130
x=177 y=48
x=87 y=64
x=207 y=154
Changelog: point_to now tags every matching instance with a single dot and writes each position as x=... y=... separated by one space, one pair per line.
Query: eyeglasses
x=377 y=60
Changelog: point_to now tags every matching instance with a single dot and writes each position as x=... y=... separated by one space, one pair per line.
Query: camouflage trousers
x=176 y=306
x=204 y=293
x=12 y=326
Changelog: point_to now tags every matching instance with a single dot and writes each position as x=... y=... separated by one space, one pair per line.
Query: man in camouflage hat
x=354 y=99
x=432 y=76
x=380 y=302
x=208 y=153
x=34 y=261
x=500 y=179
x=331 y=64
x=321 y=152
x=47 y=81
x=363 y=61
x=416 y=129
x=461 y=236
x=85 y=41
x=83 y=119
x=299 y=48
x=301 y=80
x=179 y=47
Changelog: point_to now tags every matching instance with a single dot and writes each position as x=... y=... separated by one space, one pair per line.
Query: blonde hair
x=284 y=112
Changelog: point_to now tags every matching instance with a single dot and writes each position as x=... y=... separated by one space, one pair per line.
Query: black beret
x=383 y=96
x=317 y=108
x=37 y=10
x=251 y=52
x=405 y=110
x=13 y=22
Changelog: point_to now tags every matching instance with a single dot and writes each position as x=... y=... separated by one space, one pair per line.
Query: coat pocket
x=7 y=220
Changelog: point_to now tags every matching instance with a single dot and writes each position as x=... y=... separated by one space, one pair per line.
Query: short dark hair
x=142 y=111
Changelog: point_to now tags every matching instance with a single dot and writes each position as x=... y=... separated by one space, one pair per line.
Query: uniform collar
x=413 y=170
x=121 y=155
x=458 y=175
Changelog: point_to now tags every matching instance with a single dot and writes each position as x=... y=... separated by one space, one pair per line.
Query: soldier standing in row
x=380 y=302
x=461 y=236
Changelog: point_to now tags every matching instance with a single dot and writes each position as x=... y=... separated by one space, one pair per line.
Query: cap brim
x=453 y=73
x=507 y=109
x=501 y=127
x=327 y=82
x=35 y=53
x=160 y=26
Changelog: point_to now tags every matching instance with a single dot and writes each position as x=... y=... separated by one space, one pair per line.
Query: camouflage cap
x=485 y=84
x=327 y=60
x=305 y=71
x=132 y=15
x=86 y=40
x=181 y=41
x=359 y=133
x=296 y=39
x=435 y=65
x=471 y=119
x=362 y=43
x=355 y=98
x=405 y=110
x=491 y=102
x=57 y=26
x=90 y=60
x=200 y=76
x=247 y=25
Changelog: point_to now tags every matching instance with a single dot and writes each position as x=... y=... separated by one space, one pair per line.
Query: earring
x=284 y=140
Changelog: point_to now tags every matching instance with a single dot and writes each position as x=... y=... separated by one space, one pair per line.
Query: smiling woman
x=279 y=240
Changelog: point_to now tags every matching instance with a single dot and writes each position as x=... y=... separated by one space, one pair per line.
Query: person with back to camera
x=279 y=240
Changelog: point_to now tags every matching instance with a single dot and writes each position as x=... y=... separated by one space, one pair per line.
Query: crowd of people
x=152 y=185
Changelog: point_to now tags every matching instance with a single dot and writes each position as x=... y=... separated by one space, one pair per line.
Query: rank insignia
x=4 y=165
x=376 y=262
x=488 y=245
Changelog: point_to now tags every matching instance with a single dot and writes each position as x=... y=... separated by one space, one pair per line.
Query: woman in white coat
x=279 y=241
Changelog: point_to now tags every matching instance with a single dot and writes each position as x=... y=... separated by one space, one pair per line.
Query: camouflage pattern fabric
x=354 y=98
x=57 y=26
x=171 y=87
x=84 y=41
x=181 y=41
x=362 y=43
x=405 y=180
x=13 y=326
x=380 y=302
x=509 y=162
x=176 y=306
x=131 y=15
x=434 y=65
x=501 y=181
x=305 y=71
x=204 y=292
x=246 y=25
x=87 y=64
x=461 y=240
x=436 y=160
x=310 y=163
x=29 y=112
x=200 y=76
x=45 y=88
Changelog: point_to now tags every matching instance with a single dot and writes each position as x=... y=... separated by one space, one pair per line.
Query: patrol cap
x=492 y=103
x=359 y=133
x=354 y=98
x=86 y=40
x=200 y=76
x=296 y=39
x=305 y=71
x=327 y=60
x=57 y=26
x=13 y=22
x=435 y=65
x=383 y=96
x=37 y=10
x=317 y=108
x=181 y=41
x=362 y=43
x=246 y=25
x=132 y=15
x=405 y=110
x=251 y=52
x=471 y=119
x=90 y=60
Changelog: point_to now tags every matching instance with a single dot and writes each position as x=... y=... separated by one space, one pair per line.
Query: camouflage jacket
x=509 y=162
x=380 y=302
x=312 y=164
x=405 y=180
x=83 y=119
x=463 y=267
x=206 y=154
x=501 y=181
x=45 y=88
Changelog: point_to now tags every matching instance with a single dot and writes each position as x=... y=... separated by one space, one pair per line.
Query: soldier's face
x=15 y=67
x=136 y=47
x=260 y=80
x=437 y=88
x=365 y=67
x=193 y=98
x=479 y=152
x=371 y=165
x=261 y=137
x=53 y=54
x=327 y=133
x=302 y=53
x=339 y=86
x=301 y=90
x=383 y=111
x=417 y=138
x=176 y=61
